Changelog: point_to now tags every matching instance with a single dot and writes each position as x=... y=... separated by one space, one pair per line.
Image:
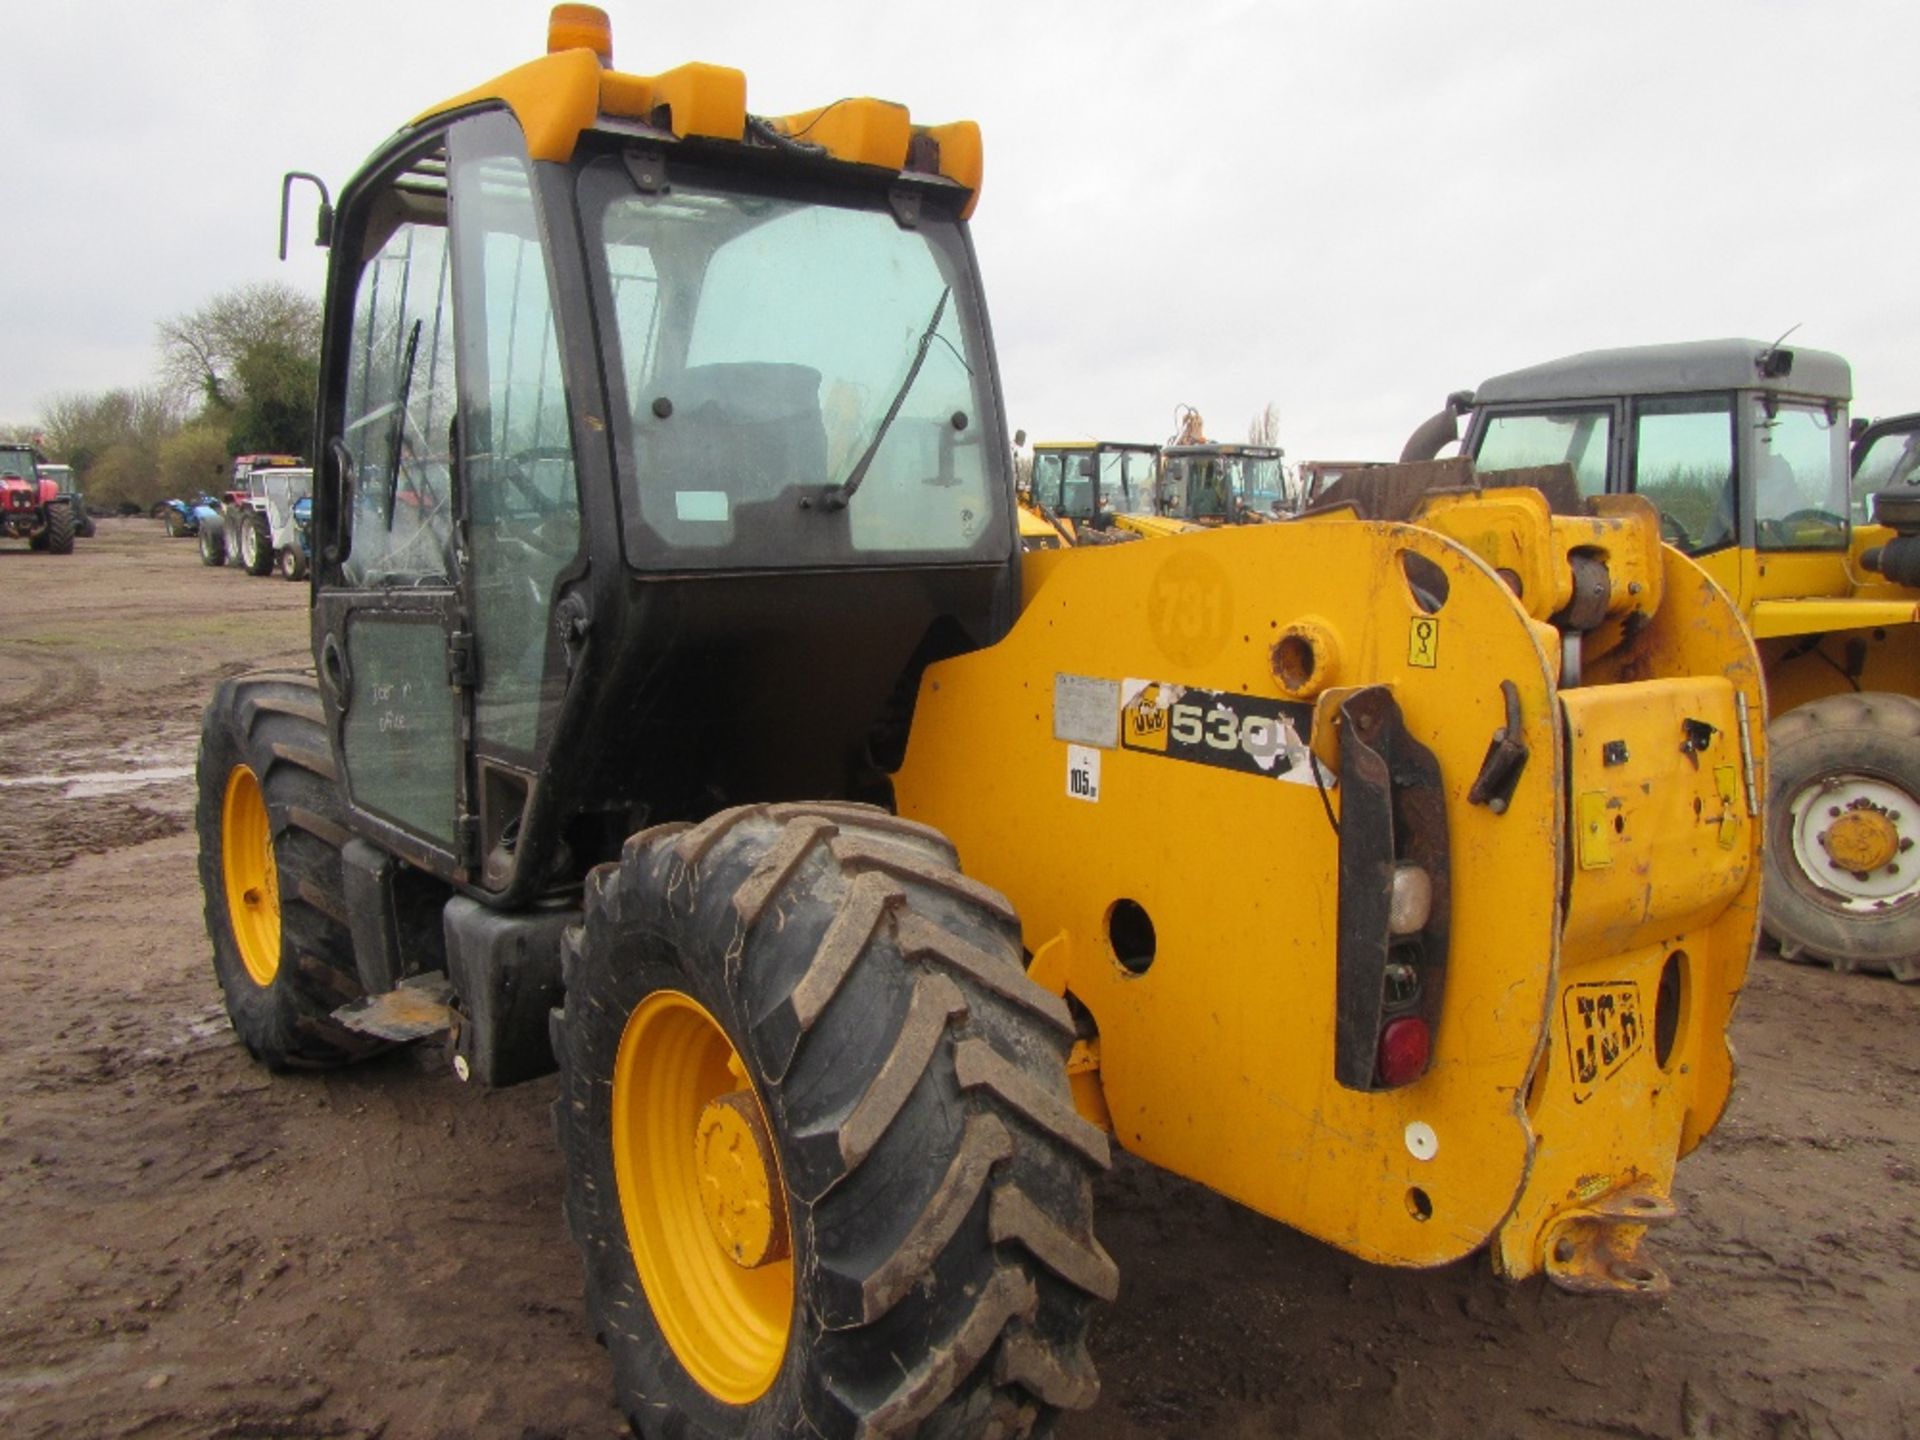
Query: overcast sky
x=1347 y=209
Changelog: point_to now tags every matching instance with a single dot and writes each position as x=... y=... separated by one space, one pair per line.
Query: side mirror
x=1087 y=468
x=323 y=227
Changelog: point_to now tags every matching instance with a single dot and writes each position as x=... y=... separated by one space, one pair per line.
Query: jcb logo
x=1144 y=720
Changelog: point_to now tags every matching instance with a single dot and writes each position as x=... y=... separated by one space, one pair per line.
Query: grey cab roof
x=1695 y=365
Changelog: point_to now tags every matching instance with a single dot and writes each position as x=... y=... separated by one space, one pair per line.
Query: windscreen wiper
x=837 y=496
x=400 y=421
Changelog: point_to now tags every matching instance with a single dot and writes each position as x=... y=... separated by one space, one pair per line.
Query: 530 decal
x=1217 y=727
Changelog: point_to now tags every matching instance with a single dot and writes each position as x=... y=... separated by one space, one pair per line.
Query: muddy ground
x=189 y=1247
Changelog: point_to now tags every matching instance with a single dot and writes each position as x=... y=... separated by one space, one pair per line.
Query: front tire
x=213 y=544
x=175 y=522
x=271 y=828
x=293 y=564
x=1843 y=868
x=927 y=1263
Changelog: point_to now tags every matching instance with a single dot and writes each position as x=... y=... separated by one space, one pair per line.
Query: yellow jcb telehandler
x=1743 y=446
x=687 y=719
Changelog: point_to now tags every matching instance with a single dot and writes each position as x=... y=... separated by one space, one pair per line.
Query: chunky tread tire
x=60 y=528
x=272 y=724
x=939 y=1178
x=213 y=544
x=1873 y=733
x=256 y=544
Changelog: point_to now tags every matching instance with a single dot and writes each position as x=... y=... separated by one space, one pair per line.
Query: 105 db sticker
x=1247 y=733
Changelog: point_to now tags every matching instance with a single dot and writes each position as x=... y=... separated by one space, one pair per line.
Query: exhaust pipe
x=1440 y=431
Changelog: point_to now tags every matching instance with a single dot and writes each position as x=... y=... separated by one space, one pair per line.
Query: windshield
x=1576 y=437
x=1263 y=484
x=1197 y=487
x=1891 y=461
x=1126 y=482
x=16 y=460
x=766 y=345
x=1800 y=475
x=1063 y=482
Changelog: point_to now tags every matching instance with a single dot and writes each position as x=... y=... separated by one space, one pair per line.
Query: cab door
x=1682 y=458
x=453 y=510
x=388 y=630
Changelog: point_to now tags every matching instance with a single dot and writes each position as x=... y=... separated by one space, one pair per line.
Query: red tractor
x=33 y=509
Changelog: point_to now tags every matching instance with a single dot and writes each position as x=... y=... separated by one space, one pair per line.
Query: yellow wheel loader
x=687 y=719
x=1743 y=446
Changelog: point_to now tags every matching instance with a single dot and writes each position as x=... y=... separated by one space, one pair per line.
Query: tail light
x=1393 y=909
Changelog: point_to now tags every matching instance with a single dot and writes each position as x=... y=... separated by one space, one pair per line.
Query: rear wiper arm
x=837 y=496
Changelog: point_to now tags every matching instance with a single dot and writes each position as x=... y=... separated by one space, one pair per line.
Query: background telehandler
x=674 y=647
x=1743 y=446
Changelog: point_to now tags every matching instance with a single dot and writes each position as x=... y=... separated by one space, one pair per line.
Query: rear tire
x=933 y=1177
x=59 y=531
x=1847 y=760
x=271 y=828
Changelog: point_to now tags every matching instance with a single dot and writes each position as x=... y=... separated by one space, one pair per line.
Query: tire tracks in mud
x=55 y=684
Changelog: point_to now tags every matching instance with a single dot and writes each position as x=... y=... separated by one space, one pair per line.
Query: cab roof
x=1227 y=448
x=1693 y=366
x=1094 y=445
x=574 y=88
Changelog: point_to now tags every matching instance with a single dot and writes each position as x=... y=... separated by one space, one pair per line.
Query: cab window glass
x=1575 y=437
x=1683 y=463
x=1800 y=476
x=1049 y=469
x=522 y=500
x=398 y=413
x=1891 y=462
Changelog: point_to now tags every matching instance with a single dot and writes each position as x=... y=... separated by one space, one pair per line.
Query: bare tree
x=1265 y=428
x=202 y=352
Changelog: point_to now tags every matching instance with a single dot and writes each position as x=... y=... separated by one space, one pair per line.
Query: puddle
x=91 y=784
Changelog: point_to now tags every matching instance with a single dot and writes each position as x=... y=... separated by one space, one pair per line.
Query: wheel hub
x=734 y=1159
x=1853 y=838
x=701 y=1196
x=252 y=882
x=1862 y=840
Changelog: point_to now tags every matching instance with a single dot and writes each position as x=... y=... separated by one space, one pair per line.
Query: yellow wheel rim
x=701 y=1196
x=253 y=884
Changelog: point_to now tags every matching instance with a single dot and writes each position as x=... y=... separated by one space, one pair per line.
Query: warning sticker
x=1083 y=772
x=1217 y=727
x=1086 y=710
x=1604 y=1028
x=1423 y=642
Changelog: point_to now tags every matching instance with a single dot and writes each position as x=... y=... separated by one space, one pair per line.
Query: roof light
x=581 y=27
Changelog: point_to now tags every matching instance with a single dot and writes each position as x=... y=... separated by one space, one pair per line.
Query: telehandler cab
x=674 y=645
x=1743 y=446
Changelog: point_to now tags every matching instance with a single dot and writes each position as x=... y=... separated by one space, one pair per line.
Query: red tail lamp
x=1406 y=1045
